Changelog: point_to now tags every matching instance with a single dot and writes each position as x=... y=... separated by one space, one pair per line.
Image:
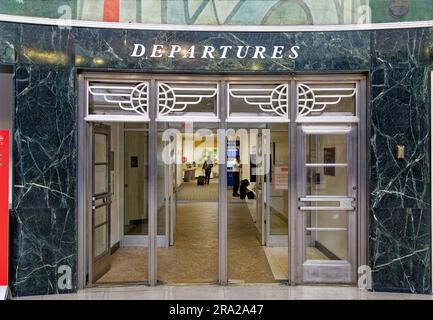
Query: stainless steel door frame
x=173 y=197
x=84 y=205
x=292 y=198
x=328 y=271
x=266 y=181
x=153 y=180
x=222 y=188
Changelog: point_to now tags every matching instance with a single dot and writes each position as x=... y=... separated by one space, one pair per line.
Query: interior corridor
x=246 y=256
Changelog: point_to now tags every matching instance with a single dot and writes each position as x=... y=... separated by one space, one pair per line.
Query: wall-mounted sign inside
x=281 y=177
x=214 y=52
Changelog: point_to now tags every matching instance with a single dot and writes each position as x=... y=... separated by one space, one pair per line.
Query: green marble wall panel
x=43 y=236
x=238 y=12
x=400 y=204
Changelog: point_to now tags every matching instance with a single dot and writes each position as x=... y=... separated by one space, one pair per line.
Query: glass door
x=327 y=204
x=260 y=188
x=171 y=190
x=101 y=202
x=289 y=203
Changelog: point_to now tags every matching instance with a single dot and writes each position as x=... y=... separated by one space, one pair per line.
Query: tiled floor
x=247 y=261
x=232 y=292
x=190 y=191
x=194 y=257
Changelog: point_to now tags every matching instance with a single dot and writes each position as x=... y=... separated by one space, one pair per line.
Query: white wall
x=279 y=198
x=135 y=145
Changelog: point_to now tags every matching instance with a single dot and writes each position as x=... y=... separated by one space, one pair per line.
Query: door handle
x=344 y=203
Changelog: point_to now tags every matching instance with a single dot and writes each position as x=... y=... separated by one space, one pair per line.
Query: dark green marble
x=45 y=45
x=45 y=137
x=333 y=51
x=43 y=228
x=400 y=224
x=42 y=240
x=400 y=253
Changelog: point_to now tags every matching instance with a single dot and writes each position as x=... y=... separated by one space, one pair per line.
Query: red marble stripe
x=111 y=10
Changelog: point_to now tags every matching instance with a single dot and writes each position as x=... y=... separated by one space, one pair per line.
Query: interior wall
x=245 y=148
x=279 y=198
x=135 y=177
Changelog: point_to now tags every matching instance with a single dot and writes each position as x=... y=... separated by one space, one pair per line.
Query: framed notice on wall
x=281 y=178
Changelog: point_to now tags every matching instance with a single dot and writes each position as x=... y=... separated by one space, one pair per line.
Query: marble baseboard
x=43 y=245
x=400 y=250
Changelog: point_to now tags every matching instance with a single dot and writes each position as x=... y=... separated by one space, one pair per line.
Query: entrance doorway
x=119 y=205
x=201 y=179
x=101 y=202
x=188 y=202
x=328 y=187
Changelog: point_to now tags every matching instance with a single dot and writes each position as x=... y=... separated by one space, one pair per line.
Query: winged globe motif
x=128 y=98
x=176 y=98
x=272 y=100
x=315 y=100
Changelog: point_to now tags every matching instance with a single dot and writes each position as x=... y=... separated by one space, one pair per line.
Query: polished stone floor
x=194 y=257
x=247 y=262
x=231 y=292
x=190 y=191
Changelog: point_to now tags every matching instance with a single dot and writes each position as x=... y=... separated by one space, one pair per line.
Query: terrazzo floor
x=230 y=292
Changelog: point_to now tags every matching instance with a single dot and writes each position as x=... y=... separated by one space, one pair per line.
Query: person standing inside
x=207 y=167
x=236 y=170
